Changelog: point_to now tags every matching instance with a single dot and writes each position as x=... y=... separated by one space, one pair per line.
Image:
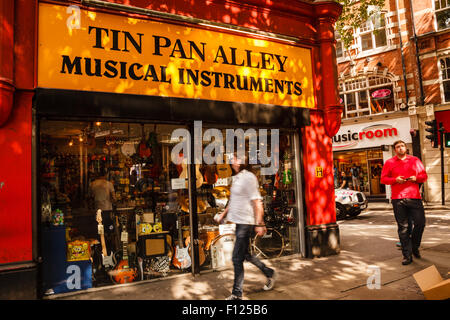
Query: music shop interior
x=115 y=208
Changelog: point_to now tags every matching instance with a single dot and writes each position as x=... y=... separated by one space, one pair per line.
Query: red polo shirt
x=409 y=166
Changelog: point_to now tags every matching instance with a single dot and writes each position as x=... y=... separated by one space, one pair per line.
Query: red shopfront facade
x=32 y=101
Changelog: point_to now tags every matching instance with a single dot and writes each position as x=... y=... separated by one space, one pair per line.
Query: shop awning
x=80 y=104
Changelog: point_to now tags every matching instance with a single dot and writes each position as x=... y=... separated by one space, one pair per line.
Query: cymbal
x=221 y=192
x=183 y=201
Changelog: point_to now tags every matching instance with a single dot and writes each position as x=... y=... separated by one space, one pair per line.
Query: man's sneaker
x=407 y=261
x=416 y=253
x=270 y=282
x=233 y=297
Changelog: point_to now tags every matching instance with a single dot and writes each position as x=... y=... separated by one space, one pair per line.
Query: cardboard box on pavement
x=432 y=284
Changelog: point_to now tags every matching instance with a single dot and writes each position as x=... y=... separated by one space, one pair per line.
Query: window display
x=123 y=201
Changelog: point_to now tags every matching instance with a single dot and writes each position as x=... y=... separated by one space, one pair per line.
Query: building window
x=442 y=9
x=445 y=72
x=367 y=95
x=372 y=34
x=340 y=53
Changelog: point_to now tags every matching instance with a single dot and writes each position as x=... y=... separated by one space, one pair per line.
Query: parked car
x=349 y=202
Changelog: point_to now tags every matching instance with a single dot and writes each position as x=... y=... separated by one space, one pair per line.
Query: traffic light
x=432 y=128
x=447 y=139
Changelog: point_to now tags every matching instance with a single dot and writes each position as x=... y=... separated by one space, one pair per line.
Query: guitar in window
x=124 y=272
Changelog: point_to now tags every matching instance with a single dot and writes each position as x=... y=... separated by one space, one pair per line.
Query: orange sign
x=93 y=51
x=319 y=172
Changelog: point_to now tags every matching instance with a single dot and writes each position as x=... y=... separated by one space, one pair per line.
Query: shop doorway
x=362 y=168
x=375 y=167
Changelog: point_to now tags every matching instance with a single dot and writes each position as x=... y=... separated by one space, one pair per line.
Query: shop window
x=445 y=74
x=442 y=10
x=372 y=34
x=367 y=96
x=126 y=170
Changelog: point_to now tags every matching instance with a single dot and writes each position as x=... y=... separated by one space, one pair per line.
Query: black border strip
x=64 y=103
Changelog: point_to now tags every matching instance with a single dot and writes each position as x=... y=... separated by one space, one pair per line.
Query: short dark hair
x=397 y=142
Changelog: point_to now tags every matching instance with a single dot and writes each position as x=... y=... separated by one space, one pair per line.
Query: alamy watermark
x=374 y=280
x=213 y=153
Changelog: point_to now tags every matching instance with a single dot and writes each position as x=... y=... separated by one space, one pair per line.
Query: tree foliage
x=354 y=14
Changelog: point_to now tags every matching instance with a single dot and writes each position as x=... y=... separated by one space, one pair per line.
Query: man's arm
x=386 y=175
x=258 y=210
x=421 y=176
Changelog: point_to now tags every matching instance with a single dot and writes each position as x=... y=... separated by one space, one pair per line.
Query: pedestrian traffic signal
x=447 y=139
x=432 y=128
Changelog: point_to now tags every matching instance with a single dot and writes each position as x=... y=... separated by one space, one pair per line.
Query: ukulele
x=181 y=258
x=123 y=273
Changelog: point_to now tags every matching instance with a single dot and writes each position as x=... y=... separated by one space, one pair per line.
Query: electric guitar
x=123 y=272
x=181 y=259
x=107 y=261
x=287 y=173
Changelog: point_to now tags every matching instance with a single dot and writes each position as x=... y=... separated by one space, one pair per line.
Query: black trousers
x=410 y=217
x=241 y=253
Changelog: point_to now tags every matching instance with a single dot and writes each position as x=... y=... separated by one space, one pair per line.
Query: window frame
x=360 y=83
x=442 y=79
x=370 y=27
x=436 y=11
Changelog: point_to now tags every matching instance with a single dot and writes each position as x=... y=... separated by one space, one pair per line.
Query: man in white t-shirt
x=245 y=209
x=103 y=192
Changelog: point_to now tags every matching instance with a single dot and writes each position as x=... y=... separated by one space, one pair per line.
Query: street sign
x=319 y=172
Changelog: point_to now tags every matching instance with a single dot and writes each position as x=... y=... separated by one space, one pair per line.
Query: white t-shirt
x=243 y=190
x=102 y=190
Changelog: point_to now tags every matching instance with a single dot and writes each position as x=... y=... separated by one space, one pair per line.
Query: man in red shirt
x=404 y=173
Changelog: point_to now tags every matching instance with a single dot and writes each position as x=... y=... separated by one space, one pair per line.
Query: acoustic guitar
x=123 y=272
x=181 y=258
x=201 y=253
x=198 y=174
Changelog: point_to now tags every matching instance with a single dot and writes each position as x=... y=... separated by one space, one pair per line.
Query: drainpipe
x=419 y=66
x=7 y=59
x=401 y=52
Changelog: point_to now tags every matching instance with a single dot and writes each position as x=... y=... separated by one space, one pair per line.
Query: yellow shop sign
x=112 y=53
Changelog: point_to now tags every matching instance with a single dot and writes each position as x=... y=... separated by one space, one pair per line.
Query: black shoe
x=416 y=254
x=407 y=261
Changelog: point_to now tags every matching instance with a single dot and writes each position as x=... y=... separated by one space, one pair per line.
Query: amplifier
x=153 y=244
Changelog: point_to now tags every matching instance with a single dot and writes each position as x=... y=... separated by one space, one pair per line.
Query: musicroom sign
x=113 y=53
x=373 y=134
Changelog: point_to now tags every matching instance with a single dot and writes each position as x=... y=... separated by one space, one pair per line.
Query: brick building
x=394 y=77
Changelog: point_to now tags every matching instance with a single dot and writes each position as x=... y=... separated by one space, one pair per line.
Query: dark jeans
x=241 y=253
x=410 y=217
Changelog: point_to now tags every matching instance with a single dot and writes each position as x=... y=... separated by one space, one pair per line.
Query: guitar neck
x=180 y=232
x=125 y=251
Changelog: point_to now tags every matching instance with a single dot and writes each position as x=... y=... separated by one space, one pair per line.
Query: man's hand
x=260 y=231
x=400 y=179
x=412 y=178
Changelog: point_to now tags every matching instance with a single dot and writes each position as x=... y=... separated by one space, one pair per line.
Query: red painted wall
x=15 y=133
x=15 y=183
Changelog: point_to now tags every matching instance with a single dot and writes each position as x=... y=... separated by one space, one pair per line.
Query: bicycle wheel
x=270 y=245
